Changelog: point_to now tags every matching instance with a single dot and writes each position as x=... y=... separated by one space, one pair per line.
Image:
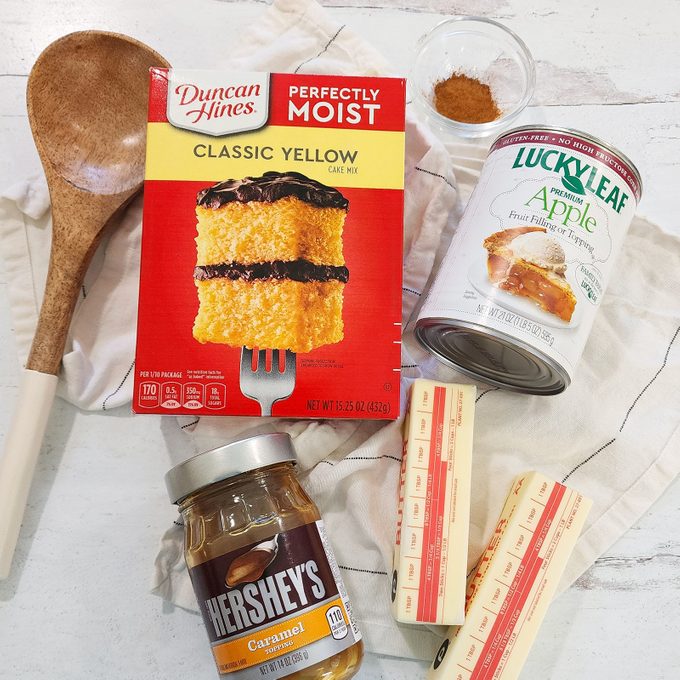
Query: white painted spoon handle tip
x=17 y=463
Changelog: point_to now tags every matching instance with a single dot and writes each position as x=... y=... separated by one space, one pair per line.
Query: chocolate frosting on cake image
x=270 y=270
x=298 y=270
x=271 y=187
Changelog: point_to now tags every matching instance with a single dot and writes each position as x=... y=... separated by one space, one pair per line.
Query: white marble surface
x=77 y=604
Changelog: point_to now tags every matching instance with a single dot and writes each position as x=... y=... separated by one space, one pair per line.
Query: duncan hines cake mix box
x=271 y=246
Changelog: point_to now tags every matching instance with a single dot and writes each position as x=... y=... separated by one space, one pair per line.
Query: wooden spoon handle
x=64 y=280
x=21 y=448
x=72 y=249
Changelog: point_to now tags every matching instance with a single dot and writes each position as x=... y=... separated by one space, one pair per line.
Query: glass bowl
x=478 y=48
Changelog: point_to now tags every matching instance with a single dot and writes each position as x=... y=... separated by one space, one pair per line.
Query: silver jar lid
x=227 y=461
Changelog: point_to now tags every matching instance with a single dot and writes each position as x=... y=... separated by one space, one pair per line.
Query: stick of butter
x=430 y=556
x=514 y=582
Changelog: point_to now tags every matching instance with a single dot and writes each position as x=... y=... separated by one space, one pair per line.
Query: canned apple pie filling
x=517 y=292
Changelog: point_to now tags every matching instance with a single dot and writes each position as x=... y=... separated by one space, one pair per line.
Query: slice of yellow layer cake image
x=270 y=272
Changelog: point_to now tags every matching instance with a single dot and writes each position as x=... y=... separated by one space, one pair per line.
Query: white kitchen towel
x=613 y=434
x=99 y=353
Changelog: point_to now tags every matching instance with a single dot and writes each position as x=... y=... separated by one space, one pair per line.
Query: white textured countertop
x=77 y=605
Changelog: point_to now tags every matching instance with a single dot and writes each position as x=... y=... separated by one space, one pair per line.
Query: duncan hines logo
x=217 y=103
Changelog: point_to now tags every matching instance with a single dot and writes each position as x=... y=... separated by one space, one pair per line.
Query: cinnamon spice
x=465 y=99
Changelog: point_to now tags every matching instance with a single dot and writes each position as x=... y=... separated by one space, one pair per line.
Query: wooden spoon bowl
x=87 y=100
x=87 y=104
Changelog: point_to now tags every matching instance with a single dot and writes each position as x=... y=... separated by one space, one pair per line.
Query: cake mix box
x=271 y=246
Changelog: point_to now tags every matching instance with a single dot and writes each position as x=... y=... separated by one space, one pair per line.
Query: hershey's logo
x=266 y=599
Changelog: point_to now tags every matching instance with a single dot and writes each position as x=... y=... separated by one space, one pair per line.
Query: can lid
x=227 y=461
x=492 y=356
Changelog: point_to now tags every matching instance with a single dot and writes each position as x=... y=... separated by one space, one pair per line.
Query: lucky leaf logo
x=577 y=175
x=573 y=184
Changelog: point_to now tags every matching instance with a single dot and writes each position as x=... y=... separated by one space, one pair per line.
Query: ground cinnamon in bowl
x=465 y=99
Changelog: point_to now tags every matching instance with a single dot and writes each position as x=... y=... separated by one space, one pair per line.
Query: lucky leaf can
x=518 y=290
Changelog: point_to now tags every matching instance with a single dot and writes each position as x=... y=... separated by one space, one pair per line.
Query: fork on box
x=267 y=379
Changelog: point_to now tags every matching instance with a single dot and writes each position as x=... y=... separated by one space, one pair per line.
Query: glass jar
x=263 y=571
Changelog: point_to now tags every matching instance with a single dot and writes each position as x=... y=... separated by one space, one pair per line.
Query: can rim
x=229 y=460
x=586 y=136
x=516 y=344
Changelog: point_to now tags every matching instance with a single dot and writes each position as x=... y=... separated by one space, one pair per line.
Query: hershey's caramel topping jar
x=262 y=567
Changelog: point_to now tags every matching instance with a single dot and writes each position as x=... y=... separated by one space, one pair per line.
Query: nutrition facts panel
x=173 y=395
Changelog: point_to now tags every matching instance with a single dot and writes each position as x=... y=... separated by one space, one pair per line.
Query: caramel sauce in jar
x=266 y=581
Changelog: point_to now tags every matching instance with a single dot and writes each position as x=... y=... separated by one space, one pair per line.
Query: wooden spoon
x=87 y=104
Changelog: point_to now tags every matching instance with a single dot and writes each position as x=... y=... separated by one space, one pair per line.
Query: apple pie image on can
x=270 y=269
x=527 y=262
